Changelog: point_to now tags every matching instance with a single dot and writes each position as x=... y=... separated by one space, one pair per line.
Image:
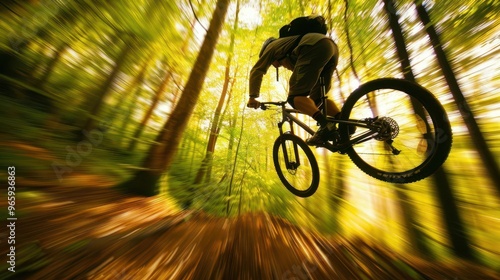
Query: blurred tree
x=337 y=188
x=490 y=163
x=105 y=88
x=348 y=40
x=415 y=235
x=168 y=75
x=235 y=162
x=137 y=38
x=157 y=96
x=161 y=153
x=128 y=103
x=40 y=82
x=15 y=6
x=455 y=227
x=216 y=120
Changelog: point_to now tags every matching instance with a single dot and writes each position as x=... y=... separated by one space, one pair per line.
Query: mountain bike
x=402 y=135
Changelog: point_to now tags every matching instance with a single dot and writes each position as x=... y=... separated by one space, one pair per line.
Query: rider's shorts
x=312 y=62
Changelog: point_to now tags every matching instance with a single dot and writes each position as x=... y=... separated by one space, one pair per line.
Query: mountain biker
x=315 y=56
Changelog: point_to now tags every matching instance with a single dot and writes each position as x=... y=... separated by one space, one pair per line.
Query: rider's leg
x=305 y=105
x=331 y=108
x=311 y=63
x=327 y=72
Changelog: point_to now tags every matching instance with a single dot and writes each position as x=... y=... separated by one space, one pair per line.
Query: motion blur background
x=87 y=86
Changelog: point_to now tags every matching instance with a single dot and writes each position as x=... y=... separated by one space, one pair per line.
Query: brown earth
x=97 y=233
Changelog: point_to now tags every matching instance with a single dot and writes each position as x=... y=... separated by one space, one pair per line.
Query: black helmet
x=266 y=43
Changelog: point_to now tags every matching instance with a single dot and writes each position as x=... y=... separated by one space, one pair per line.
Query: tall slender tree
x=149 y=112
x=235 y=162
x=171 y=67
x=216 y=120
x=490 y=163
x=161 y=153
x=348 y=38
x=105 y=89
x=415 y=235
x=451 y=216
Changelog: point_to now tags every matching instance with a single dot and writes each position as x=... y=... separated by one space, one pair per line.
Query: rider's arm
x=255 y=81
x=259 y=70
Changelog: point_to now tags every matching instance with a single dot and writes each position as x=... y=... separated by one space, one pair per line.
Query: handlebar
x=266 y=105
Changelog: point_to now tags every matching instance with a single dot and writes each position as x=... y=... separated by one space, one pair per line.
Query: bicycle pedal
x=334 y=136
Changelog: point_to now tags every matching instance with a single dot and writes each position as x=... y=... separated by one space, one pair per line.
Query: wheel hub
x=389 y=129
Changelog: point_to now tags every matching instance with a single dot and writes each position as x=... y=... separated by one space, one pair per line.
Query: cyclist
x=315 y=56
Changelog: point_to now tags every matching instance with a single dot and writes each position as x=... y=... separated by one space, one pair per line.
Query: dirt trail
x=97 y=233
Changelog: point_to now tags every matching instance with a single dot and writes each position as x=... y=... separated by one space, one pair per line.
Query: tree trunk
x=105 y=89
x=154 y=103
x=216 y=120
x=159 y=92
x=348 y=41
x=163 y=150
x=230 y=146
x=453 y=222
x=235 y=162
x=337 y=195
x=130 y=110
x=415 y=235
x=485 y=153
x=40 y=83
x=457 y=231
x=127 y=93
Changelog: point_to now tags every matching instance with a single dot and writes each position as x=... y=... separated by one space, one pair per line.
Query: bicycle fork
x=294 y=162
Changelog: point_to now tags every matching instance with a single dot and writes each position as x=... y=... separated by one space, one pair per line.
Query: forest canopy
x=153 y=95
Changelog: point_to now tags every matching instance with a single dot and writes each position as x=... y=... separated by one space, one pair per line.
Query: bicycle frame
x=374 y=138
x=287 y=116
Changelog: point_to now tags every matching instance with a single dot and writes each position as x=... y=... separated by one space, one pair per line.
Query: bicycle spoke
x=405 y=138
x=298 y=175
x=296 y=165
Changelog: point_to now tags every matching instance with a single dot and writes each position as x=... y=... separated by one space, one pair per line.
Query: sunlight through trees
x=151 y=95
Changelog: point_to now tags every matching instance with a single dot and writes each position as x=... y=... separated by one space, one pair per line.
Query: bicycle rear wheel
x=413 y=137
x=296 y=165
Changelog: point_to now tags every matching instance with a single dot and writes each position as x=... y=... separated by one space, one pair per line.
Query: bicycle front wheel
x=412 y=136
x=296 y=165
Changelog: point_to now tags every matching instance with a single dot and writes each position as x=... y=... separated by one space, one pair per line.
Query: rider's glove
x=253 y=103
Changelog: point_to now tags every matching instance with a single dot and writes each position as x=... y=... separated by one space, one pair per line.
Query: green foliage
x=61 y=53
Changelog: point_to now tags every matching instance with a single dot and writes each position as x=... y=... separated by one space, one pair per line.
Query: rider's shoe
x=324 y=133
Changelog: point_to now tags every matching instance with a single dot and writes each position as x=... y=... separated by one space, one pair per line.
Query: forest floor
x=97 y=233
x=84 y=229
